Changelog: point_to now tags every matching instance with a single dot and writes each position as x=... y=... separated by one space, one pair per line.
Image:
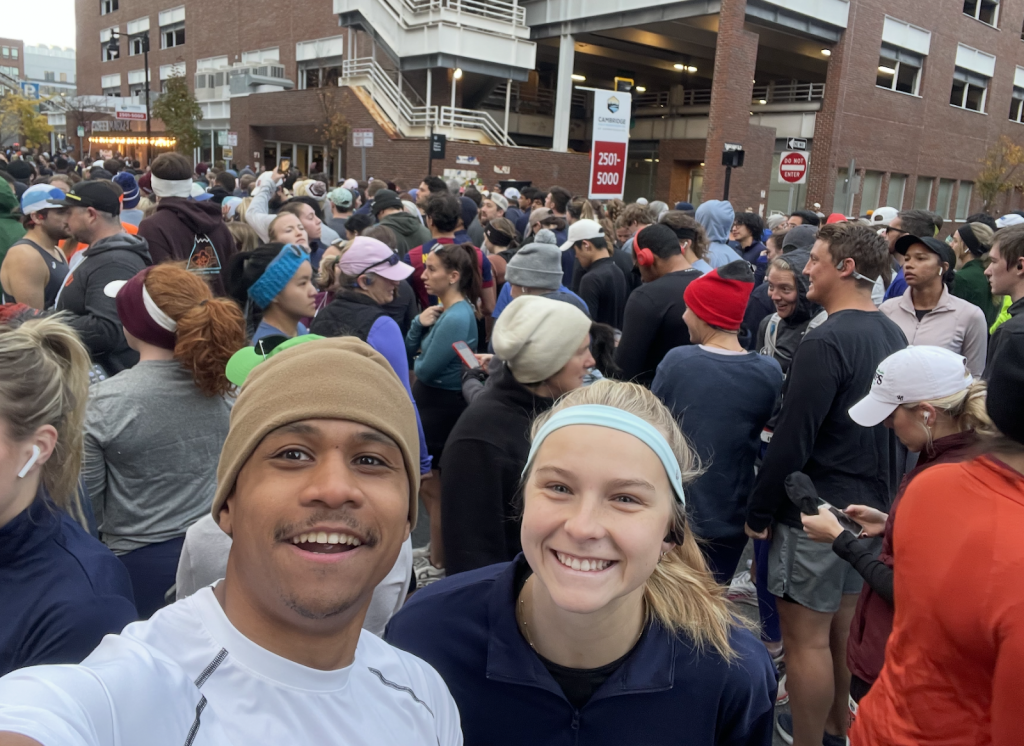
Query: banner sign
x=612 y=111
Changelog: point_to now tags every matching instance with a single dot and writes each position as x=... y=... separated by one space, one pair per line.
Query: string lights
x=159 y=142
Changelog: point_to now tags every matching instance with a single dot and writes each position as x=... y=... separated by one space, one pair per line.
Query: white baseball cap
x=912 y=375
x=1008 y=220
x=582 y=230
x=512 y=193
x=883 y=216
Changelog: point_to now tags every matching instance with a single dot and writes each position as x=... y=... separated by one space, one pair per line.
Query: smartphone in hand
x=844 y=520
x=465 y=354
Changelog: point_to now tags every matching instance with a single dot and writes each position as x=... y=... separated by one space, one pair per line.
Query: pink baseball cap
x=367 y=254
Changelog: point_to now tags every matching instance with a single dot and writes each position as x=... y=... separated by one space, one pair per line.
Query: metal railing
x=410 y=118
x=771 y=93
x=528 y=100
x=497 y=10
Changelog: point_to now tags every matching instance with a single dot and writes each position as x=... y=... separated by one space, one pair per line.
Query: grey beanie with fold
x=538 y=264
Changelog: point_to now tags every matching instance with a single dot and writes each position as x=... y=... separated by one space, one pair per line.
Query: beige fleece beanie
x=537 y=336
x=352 y=381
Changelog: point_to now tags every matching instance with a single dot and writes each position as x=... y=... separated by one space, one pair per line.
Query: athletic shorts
x=810 y=573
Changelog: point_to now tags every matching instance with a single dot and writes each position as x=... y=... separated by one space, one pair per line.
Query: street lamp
x=114 y=48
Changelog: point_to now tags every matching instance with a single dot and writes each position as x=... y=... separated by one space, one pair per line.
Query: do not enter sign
x=793 y=167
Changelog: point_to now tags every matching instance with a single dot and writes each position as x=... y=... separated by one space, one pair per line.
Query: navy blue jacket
x=61 y=590
x=666 y=693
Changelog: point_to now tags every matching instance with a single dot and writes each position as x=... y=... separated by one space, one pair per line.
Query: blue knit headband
x=615 y=419
x=277 y=274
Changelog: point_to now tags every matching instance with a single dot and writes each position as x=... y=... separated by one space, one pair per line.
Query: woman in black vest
x=368 y=275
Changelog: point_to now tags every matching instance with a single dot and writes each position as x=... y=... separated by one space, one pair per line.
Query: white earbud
x=927 y=417
x=30 y=463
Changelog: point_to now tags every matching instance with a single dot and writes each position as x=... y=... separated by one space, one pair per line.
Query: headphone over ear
x=644 y=257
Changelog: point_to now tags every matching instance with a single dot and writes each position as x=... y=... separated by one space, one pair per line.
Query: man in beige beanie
x=544 y=346
x=318 y=494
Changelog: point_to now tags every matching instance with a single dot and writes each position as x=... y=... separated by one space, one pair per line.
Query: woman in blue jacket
x=452 y=274
x=609 y=628
x=61 y=590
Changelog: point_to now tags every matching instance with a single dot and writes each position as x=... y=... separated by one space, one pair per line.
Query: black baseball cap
x=934 y=245
x=99 y=195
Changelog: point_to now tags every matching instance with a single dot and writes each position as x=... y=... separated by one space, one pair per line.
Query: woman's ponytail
x=210 y=330
x=44 y=380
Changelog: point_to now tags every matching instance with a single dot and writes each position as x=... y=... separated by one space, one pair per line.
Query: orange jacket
x=954 y=664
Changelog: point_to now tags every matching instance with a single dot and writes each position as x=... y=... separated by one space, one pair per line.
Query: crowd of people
x=660 y=451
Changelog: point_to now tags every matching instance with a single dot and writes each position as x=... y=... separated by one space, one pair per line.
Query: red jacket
x=872 y=621
x=183 y=230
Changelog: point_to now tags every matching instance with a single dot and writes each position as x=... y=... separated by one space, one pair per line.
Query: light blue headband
x=277 y=274
x=615 y=419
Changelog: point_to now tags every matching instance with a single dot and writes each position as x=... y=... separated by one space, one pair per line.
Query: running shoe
x=426 y=574
x=420 y=552
x=783 y=696
x=742 y=590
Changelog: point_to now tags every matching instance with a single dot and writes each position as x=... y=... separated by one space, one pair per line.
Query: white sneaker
x=426 y=574
x=423 y=551
x=742 y=590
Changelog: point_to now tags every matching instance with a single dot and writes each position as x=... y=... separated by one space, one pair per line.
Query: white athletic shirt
x=187 y=677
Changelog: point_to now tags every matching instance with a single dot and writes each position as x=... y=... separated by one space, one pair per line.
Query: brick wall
x=8 y=61
x=291 y=116
x=896 y=133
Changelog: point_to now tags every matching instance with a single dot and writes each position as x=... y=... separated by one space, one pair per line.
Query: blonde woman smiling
x=608 y=628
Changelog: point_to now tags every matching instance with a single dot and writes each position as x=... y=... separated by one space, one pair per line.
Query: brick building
x=12 y=63
x=912 y=92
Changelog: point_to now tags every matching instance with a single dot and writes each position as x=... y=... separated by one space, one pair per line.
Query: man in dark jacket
x=112 y=258
x=545 y=348
x=653 y=321
x=183 y=230
x=389 y=211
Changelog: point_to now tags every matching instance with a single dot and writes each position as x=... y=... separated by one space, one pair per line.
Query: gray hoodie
x=716 y=217
x=93 y=312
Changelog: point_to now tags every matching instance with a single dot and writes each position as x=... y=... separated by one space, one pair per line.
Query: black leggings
x=439 y=411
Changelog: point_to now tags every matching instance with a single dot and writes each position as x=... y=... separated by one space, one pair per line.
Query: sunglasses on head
x=391 y=261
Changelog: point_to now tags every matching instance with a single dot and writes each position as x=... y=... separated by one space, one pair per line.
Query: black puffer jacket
x=93 y=312
x=784 y=335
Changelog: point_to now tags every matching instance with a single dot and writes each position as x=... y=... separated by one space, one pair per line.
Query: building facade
x=12 y=64
x=911 y=93
x=53 y=69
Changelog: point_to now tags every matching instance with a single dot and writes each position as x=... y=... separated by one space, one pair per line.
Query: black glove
x=801 y=491
x=474 y=374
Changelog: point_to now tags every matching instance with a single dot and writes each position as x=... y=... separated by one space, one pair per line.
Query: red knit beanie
x=719 y=298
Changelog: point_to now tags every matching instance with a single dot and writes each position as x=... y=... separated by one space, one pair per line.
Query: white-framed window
x=986 y=11
x=172 y=27
x=271 y=54
x=212 y=63
x=963 y=200
x=111 y=84
x=7 y=53
x=1017 y=105
x=137 y=30
x=969 y=90
x=107 y=6
x=899 y=70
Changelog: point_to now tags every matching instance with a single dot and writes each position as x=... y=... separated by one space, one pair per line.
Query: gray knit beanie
x=538 y=264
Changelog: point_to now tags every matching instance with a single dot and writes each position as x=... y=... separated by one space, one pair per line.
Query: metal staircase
x=380 y=91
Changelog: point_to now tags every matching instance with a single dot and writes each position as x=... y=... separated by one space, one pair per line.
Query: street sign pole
x=728 y=180
x=364 y=162
x=430 y=145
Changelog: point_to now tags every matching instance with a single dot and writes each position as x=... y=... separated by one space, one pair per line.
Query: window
x=107 y=6
x=63 y=77
x=871 y=192
x=986 y=11
x=172 y=36
x=899 y=70
x=1017 y=105
x=111 y=84
x=963 y=200
x=969 y=90
x=897 y=186
x=923 y=192
x=14 y=53
x=7 y=52
x=48 y=76
x=136 y=45
x=945 y=194
x=172 y=27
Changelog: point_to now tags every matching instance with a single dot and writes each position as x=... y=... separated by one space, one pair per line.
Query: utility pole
x=114 y=47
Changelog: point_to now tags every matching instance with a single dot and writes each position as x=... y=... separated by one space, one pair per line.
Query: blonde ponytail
x=681 y=594
x=44 y=380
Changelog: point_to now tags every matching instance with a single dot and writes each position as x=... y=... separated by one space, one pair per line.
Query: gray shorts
x=810 y=573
